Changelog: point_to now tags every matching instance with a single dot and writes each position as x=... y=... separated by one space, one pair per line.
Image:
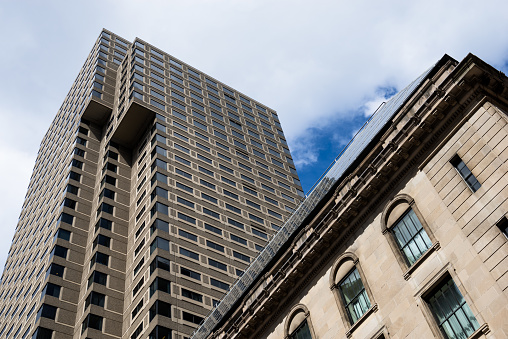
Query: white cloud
x=311 y=61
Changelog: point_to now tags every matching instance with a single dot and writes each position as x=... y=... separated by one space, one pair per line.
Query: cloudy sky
x=324 y=66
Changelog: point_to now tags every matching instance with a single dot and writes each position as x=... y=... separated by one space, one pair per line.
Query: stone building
x=406 y=235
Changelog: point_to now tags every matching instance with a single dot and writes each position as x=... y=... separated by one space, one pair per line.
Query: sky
x=324 y=66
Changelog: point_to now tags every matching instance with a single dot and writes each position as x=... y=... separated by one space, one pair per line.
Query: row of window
x=451 y=312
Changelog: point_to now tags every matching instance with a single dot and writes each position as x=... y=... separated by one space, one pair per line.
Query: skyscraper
x=153 y=189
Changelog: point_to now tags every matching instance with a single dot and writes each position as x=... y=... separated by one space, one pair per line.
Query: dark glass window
x=411 y=238
x=219 y=284
x=354 y=296
x=213 y=229
x=160 y=332
x=42 y=333
x=238 y=239
x=503 y=226
x=186 y=218
x=241 y=256
x=192 y=295
x=66 y=218
x=104 y=223
x=159 y=243
x=108 y=194
x=100 y=258
x=160 y=308
x=190 y=273
x=215 y=246
x=451 y=311
x=72 y=189
x=46 y=311
x=102 y=240
x=92 y=321
x=106 y=208
x=190 y=254
x=95 y=298
x=97 y=277
x=160 y=284
x=159 y=224
x=138 y=308
x=465 y=173
x=59 y=251
x=63 y=234
x=235 y=223
x=191 y=317
x=187 y=235
x=161 y=263
x=217 y=264
x=57 y=270
x=137 y=332
x=52 y=290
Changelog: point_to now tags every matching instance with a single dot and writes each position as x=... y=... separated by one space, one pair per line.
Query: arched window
x=298 y=324
x=351 y=290
x=408 y=234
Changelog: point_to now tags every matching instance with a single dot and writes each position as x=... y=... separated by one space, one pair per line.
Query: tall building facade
x=153 y=190
x=406 y=236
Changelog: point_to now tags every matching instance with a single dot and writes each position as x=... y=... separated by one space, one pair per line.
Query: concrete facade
x=459 y=110
x=153 y=189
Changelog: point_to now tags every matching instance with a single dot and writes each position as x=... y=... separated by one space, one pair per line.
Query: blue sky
x=324 y=65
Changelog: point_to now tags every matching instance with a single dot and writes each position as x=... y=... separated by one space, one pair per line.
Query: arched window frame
x=336 y=276
x=386 y=230
x=297 y=309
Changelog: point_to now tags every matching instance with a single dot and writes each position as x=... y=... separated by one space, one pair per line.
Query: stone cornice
x=398 y=152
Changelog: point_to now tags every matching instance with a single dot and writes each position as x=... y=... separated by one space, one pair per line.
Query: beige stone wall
x=471 y=248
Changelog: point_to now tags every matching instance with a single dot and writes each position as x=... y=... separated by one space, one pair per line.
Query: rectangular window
x=238 y=239
x=217 y=264
x=211 y=213
x=219 y=284
x=207 y=184
x=189 y=273
x=159 y=243
x=241 y=256
x=215 y=246
x=187 y=235
x=503 y=226
x=160 y=284
x=161 y=263
x=452 y=313
x=186 y=218
x=213 y=229
x=192 y=295
x=190 y=254
x=235 y=223
x=465 y=173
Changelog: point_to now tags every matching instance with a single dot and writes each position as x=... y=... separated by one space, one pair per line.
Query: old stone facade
x=352 y=270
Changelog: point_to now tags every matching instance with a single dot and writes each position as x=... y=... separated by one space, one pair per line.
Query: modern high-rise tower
x=153 y=189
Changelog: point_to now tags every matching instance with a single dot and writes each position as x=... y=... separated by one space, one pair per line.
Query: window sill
x=357 y=324
x=410 y=270
x=483 y=330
